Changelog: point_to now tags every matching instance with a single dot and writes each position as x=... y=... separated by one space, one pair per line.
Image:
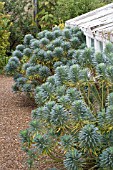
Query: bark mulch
x=15 y=115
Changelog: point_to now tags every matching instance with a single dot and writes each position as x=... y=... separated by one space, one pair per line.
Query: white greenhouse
x=97 y=26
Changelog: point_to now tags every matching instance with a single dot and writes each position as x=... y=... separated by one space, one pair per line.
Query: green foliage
x=106 y=158
x=4 y=35
x=89 y=138
x=21 y=18
x=37 y=58
x=69 y=9
x=46 y=17
x=73 y=123
x=73 y=160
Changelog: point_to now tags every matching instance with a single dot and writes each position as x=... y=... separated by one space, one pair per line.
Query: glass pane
x=92 y=42
x=101 y=46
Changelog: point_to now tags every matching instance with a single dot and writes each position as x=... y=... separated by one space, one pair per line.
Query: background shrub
x=46 y=17
x=4 y=35
x=69 y=9
x=21 y=17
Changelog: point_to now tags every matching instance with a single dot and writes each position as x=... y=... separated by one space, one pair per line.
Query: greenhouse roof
x=98 y=22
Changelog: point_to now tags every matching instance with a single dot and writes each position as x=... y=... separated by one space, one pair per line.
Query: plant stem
x=93 y=167
x=53 y=157
x=102 y=96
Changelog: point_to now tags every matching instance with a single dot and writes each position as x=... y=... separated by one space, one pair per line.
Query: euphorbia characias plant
x=37 y=58
x=73 y=121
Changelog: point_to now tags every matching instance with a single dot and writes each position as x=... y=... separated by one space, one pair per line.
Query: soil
x=15 y=115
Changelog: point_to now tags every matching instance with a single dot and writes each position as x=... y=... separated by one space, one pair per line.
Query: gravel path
x=15 y=114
